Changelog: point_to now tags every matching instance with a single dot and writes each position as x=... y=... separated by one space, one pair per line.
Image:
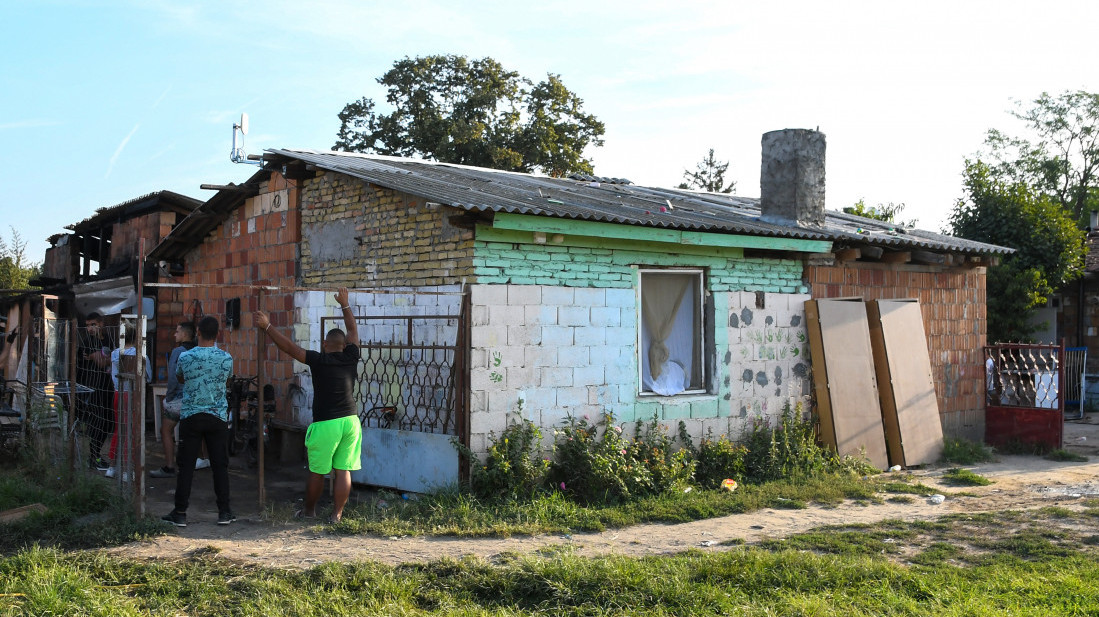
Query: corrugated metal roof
x=478 y=189
x=157 y=200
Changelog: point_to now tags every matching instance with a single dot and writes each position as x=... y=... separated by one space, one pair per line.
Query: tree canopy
x=709 y=175
x=1049 y=247
x=15 y=271
x=473 y=112
x=1062 y=160
x=880 y=212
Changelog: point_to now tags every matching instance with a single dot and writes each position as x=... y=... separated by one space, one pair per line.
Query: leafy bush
x=669 y=467
x=965 y=452
x=514 y=468
x=717 y=459
x=789 y=450
x=593 y=463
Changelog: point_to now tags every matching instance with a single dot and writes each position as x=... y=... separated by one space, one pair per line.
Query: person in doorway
x=203 y=418
x=93 y=370
x=173 y=403
x=333 y=441
x=123 y=376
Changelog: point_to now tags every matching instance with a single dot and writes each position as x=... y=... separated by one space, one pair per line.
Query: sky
x=103 y=101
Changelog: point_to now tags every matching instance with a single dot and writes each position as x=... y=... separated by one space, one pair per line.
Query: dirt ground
x=1020 y=482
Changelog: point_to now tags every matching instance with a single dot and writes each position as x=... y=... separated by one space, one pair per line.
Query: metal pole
x=261 y=381
x=137 y=425
x=72 y=394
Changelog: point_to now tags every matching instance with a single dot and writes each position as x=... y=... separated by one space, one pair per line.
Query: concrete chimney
x=791 y=178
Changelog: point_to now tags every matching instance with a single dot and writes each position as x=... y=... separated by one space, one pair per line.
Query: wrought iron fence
x=1023 y=375
x=408 y=376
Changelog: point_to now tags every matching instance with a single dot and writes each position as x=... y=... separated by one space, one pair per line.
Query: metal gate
x=411 y=396
x=1024 y=402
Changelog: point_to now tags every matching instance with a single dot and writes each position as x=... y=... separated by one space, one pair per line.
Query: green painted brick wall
x=535 y=264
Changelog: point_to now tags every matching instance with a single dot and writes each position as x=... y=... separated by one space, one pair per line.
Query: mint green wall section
x=512 y=258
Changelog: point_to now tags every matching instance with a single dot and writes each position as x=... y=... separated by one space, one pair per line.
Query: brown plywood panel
x=910 y=409
x=847 y=394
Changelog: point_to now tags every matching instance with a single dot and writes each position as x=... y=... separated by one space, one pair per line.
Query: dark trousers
x=193 y=430
x=97 y=413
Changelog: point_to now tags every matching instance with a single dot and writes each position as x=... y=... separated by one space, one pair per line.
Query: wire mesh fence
x=1023 y=375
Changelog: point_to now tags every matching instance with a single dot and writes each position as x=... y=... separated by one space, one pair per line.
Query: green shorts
x=334 y=444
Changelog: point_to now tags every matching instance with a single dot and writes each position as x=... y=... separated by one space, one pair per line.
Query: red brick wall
x=252 y=247
x=953 y=305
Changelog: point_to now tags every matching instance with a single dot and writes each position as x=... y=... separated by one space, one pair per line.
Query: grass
x=965 y=452
x=82 y=511
x=460 y=514
x=1064 y=456
x=1009 y=563
x=964 y=477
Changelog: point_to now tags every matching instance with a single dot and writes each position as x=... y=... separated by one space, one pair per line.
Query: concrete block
x=621 y=298
x=505 y=315
x=627 y=393
x=675 y=411
x=481 y=380
x=540 y=315
x=574 y=316
x=478 y=401
x=522 y=378
x=489 y=294
x=606 y=316
x=502 y=403
x=572 y=356
x=705 y=408
x=558 y=296
x=479 y=315
x=524 y=294
x=556 y=377
x=488 y=336
x=621 y=336
x=540 y=355
x=493 y=421
x=591 y=375
x=590 y=335
x=605 y=355
x=524 y=335
x=553 y=418
x=573 y=396
x=591 y=297
x=557 y=336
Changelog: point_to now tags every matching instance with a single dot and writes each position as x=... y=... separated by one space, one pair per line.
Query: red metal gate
x=1023 y=402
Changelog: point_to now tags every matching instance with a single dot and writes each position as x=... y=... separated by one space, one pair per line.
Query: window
x=671 y=329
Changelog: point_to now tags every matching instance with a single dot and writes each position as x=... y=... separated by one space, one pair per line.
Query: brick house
x=556 y=297
x=94 y=266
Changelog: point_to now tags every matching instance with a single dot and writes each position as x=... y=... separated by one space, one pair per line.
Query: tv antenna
x=238 y=155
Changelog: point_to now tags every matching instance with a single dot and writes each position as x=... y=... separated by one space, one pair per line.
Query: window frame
x=701 y=330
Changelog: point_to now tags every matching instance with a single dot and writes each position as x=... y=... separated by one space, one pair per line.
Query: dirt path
x=1021 y=482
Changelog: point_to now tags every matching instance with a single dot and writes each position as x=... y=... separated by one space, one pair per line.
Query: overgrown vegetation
x=964 y=477
x=965 y=452
x=1005 y=563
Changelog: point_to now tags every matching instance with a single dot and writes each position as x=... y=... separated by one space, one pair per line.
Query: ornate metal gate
x=1024 y=404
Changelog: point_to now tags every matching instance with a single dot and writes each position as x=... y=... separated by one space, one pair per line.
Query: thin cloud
x=121 y=147
x=161 y=97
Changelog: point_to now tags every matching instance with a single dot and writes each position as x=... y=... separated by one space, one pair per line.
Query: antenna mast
x=238 y=155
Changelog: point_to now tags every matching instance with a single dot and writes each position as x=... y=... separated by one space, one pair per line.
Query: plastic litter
x=728 y=484
x=895 y=468
x=937 y=499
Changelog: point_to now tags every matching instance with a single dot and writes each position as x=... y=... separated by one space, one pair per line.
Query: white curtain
x=669 y=313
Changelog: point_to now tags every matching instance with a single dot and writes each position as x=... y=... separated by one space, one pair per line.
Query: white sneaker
x=110 y=472
x=202 y=463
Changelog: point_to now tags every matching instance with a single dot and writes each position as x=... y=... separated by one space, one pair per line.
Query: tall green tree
x=473 y=112
x=1062 y=157
x=16 y=270
x=1049 y=248
x=709 y=175
x=880 y=212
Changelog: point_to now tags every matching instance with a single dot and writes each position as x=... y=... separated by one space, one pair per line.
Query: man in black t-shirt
x=334 y=438
x=93 y=369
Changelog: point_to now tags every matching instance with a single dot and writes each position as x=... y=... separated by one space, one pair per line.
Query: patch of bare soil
x=1020 y=482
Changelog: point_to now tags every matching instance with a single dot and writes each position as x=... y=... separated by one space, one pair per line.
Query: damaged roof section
x=488 y=190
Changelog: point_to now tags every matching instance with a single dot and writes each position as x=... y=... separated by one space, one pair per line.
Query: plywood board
x=844 y=379
x=910 y=409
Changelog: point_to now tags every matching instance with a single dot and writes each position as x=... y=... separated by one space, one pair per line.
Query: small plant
x=965 y=452
x=718 y=459
x=964 y=477
x=670 y=468
x=787 y=450
x=513 y=468
x=1064 y=456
